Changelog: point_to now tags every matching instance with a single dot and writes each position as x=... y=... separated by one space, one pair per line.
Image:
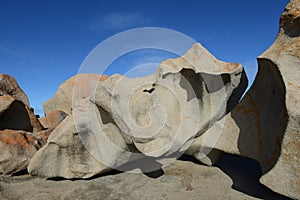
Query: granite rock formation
x=19 y=128
x=95 y=123
x=120 y=120
x=265 y=125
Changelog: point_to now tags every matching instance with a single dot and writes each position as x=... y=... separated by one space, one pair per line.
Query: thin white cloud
x=120 y=21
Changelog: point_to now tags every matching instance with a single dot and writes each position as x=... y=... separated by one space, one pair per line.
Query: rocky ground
x=234 y=178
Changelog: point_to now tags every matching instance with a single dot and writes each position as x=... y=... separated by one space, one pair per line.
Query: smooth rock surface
x=64 y=155
x=62 y=100
x=162 y=113
x=9 y=86
x=284 y=177
x=181 y=180
x=121 y=119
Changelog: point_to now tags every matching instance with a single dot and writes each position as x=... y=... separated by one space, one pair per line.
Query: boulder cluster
x=192 y=105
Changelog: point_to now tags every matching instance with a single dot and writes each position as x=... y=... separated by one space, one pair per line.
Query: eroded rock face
x=265 y=125
x=9 y=86
x=35 y=123
x=64 y=155
x=13 y=114
x=53 y=119
x=120 y=120
x=161 y=114
x=15 y=111
x=17 y=116
x=17 y=148
x=290 y=20
x=287 y=60
x=18 y=127
x=179 y=108
x=62 y=100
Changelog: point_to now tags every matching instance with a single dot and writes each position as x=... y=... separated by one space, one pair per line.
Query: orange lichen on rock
x=19 y=138
x=53 y=119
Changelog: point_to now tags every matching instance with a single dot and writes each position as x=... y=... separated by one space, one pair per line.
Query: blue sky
x=43 y=43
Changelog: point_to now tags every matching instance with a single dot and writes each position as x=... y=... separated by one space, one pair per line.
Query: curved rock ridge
x=120 y=120
x=193 y=91
x=62 y=100
x=265 y=125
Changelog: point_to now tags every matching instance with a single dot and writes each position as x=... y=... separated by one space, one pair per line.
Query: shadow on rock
x=245 y=174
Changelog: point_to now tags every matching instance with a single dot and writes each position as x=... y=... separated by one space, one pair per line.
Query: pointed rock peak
x=9 y=86
x=200 y=60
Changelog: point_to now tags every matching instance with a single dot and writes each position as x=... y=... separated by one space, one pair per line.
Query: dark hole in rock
x=149 y=91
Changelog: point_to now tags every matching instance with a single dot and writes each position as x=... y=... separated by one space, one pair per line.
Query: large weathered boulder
x=16 y=150
x=17 y=116
x=62 y=100
x=65 y=155
x=120 y=120
x=284 y=177
x=161 y=114
x=53 y=119
x=265 y=125
x=9 y=86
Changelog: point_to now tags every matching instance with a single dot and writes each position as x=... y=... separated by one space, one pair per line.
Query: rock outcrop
x=53 y=119
x=64 y=155
x=162 y=113
x=191 y=105
x=14 y=115
x=284 y=54
x=265 y=125
x=120 y=120
x=9 y=86
x=16 y=147
x=19 y=128
x=62 y=100
x=17 y=116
